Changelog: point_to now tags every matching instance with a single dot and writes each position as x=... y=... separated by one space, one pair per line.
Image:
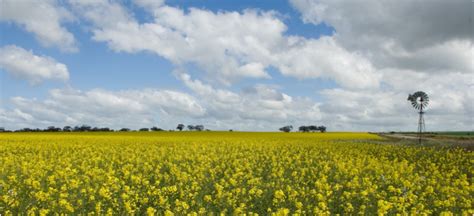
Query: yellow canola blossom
x=221 y=173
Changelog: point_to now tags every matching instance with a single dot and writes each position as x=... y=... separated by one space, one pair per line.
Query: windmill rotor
x=419 y=100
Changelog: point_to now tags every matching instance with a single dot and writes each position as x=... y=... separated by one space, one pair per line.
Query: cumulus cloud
x=412 y=45
x=149 y=4
x=42 y=18
x=24 y=64
x=309 y=58
x=386 y=111
x=257 y=107
x=97 y=107
x=450 y=107
x=416 y=35
x=412 y=24
x=226 y=45
x=380 y=52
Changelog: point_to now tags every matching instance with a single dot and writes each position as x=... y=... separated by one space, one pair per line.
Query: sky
x=242 y=65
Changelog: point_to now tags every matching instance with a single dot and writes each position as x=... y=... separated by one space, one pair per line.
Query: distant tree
x=86 y=128
x=25 y=130
x=191 y=127
x=199 y=127
x=67 y=128
x=156 y=129
x=312 y=128
x=52 y=129
x=2 y=129
x=106 y=129
x=144 y=129
x=99 y=129
x=322 y=128
x=287 y=128
x=124 y=129
x=82 y=128
x=303 y=128
x=231 y=130
x=180 y=127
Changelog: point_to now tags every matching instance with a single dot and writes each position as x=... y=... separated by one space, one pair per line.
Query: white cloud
x=381 y=51
x=416 y=35
x=412 y=45
x=149 y=4
x=227 y=45
x=309 y=58
x=450 y=56
x=259 y=107
x=24 y=64
x=450 y=107
x=43 y=19
x=130 y=108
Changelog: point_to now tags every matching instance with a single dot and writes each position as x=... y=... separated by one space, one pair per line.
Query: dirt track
x=433 y=140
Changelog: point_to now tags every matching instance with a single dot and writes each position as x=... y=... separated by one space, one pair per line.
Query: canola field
x=202 y=173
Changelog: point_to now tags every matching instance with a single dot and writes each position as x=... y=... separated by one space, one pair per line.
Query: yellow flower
x=150 y=211
x=279 y=194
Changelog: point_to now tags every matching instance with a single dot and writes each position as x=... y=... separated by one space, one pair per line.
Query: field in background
x=229 y=172
x=463 y=140
x=455 y=133
x=442 y=133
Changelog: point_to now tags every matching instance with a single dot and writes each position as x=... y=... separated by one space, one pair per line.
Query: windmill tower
x=419 y=100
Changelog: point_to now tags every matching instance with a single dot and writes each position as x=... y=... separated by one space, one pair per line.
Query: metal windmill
x=419 y=100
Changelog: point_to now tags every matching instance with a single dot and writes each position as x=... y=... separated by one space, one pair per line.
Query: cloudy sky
x=245 y=65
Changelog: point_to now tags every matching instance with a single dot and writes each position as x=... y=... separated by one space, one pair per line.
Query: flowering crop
x=197 y=173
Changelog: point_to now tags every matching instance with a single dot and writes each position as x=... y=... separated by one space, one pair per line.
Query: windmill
x=419 y=100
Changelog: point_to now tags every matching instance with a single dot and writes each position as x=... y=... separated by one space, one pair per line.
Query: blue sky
x=144 y=70
x=264 y=64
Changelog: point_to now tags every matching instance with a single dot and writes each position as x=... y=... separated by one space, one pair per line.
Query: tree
x=199 y=127
x=156 y=129
x=312 y=128
x=180 y=127
x=144 y=129
x=124 y=130
x=82 y=128
x=303 y=128
x=322 y=128
x=105 y=129
x=67 y=128
x=191 y=127
x=287 y=128
x=52 y=129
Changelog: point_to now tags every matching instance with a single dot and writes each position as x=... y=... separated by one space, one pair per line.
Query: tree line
x=180 y=127
x=87 y=128
x=304 y=128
